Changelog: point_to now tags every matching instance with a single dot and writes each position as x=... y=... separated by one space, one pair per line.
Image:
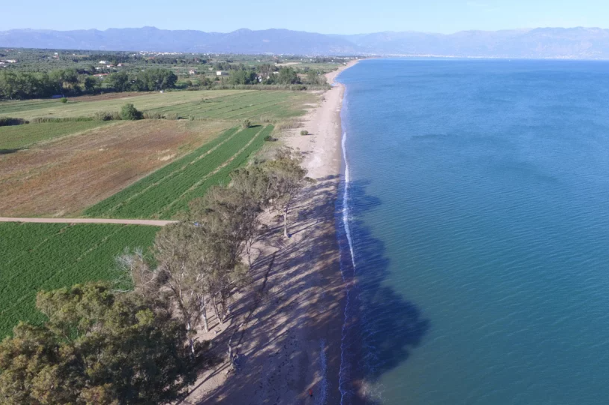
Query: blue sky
x=324 y=16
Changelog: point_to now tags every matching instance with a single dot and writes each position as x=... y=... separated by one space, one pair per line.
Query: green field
x=169 y=190
x=212 y=104
x=21 y=136
x=38 y=257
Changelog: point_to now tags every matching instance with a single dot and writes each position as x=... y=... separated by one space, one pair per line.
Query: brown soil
x=65 y=176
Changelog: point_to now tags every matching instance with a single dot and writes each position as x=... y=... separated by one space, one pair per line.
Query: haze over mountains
x=569 y=43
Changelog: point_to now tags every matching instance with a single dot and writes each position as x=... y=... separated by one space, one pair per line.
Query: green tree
x=129 y=112
x=97 y=347
x=286 y=179
x=90 y=84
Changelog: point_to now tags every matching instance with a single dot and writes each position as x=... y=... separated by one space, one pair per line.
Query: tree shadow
x=382 y=327
x=9 y=151
x=305 y=300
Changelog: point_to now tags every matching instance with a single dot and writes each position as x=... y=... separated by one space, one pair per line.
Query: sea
x=473 y=221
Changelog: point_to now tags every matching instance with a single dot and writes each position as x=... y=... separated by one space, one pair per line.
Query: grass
x=21 y=136
x=38 y=257
x=216 y=104
x=167 y=191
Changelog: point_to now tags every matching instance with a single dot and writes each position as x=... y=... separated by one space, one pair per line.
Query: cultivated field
x=36 y=257
x=23 y=136
x=216 y=104
x=63 y=177
x=150 y=169
x=168 y=191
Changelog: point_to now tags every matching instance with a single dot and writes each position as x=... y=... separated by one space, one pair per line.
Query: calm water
x=479 y=216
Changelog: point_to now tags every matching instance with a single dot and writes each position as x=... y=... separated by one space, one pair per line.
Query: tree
x=287 y=75
x=286 y=179
x=129 y=112
x=97 y=347
x=90 y=84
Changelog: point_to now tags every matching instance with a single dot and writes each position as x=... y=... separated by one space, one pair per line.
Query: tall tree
x=286 y=179
x=97 y=347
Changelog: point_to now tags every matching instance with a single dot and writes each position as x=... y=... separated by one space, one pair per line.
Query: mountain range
x=568 y=43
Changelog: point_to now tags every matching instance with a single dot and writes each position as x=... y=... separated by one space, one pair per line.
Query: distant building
x=110 y=66
x=221 y=73
x=11 y=61
x=192 y=72
x=120 y=65
x=103 y=62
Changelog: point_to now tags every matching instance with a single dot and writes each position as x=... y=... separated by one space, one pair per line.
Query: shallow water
x=479 y=216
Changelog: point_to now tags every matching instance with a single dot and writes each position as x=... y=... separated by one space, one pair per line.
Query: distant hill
x=571 y=43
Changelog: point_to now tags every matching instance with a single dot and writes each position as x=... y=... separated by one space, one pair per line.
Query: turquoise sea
x=475 y=220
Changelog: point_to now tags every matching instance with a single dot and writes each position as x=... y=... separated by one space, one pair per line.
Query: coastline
x=287 y=325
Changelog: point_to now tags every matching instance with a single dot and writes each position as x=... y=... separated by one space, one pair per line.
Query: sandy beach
x=286 y=325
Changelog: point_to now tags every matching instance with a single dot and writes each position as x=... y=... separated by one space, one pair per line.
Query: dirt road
x=89 y=221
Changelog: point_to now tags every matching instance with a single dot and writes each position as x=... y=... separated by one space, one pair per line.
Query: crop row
x=220 y=177
x=49 y=256
x=155 y=199
x=228 y=106
x=107 y=206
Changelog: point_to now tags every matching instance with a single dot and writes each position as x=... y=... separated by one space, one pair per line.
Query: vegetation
x=21 y=136
x=42 y=73
x=51 y=256
x=130 y=113
x=234 y=105
x=167 y=191
x=304 y=132
x=91 y=344
x=97 y=347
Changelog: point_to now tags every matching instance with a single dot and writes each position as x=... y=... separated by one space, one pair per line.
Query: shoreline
x=287 y=325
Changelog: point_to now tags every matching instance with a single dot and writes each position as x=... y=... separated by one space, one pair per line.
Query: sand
x=286 y=325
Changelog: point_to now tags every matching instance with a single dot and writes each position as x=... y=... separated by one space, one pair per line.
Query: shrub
x=269 y=138
x=64 y=100
x=246 y=124
x=172 y=116
x=304 y=132
x=129 y=112
x=40 y=120
x=7 y=121
x=107 y=116
x=152 y=116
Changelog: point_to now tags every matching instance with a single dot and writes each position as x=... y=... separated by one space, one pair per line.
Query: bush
x=7 y=121
x=152 y=116
x=304 y=132
x=246 y=124
x=130 y=113
x=40 y=120
x=172 y=116
x=64 y=100
x=107 y=116
x=269 y=138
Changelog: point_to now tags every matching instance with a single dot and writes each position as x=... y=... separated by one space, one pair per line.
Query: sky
x=323 y=16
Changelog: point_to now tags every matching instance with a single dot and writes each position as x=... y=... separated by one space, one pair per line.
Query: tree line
x=16 y=85
x=101 y=345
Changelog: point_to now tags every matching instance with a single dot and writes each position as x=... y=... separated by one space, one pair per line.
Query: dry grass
x=63 y=177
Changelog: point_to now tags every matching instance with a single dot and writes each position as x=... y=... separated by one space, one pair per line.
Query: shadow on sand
x=297 y=295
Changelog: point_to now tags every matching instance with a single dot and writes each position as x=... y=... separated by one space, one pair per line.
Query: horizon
x=305 y=31
x=340 y=17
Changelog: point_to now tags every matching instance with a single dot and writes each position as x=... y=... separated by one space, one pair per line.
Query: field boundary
x=145 y=222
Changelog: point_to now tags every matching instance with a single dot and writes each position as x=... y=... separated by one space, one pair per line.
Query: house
x=11 y=61
x=101 y=76
x=103 y=62
x=221 y=73
x=110 y=66
x=192 y=72
x=120 y=65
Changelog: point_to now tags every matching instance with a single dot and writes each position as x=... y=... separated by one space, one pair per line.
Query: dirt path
x=88 y=221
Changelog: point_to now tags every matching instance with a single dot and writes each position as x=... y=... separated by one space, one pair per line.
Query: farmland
x=65 y=176
x=215 y=105
x=22 y=136
x=37 y=257
x=168 y=191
